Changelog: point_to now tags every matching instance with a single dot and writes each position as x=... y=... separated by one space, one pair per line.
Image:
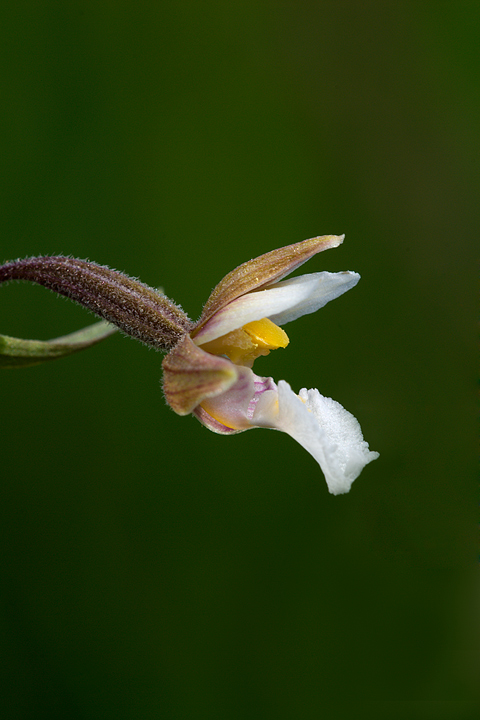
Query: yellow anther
x=244 y=345
x=265 y=334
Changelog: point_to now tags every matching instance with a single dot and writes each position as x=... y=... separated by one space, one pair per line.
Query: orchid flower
x=208 y=370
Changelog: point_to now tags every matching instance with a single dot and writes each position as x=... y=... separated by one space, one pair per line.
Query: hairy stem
x=135 y=308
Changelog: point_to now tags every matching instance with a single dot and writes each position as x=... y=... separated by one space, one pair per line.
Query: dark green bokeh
x=151 y=569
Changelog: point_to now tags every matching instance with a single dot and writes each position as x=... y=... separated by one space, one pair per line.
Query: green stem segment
x=19 y=353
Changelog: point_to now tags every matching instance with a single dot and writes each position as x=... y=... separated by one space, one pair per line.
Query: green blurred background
x=149 y=568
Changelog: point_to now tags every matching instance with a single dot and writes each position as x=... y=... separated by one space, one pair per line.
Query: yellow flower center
x=244 y=345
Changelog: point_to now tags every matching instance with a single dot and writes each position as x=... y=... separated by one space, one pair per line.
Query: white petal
x=282 y=302
x=329 y=432
x=255 y=306
x=328 y=286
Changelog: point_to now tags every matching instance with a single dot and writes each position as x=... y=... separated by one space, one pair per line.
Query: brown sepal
x=264 y=270
x=190 y=375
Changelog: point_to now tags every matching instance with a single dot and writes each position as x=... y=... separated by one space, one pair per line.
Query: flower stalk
x=136 y=309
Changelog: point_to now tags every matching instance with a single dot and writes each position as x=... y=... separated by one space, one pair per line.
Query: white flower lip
x=282 y=302
x=325 y=429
